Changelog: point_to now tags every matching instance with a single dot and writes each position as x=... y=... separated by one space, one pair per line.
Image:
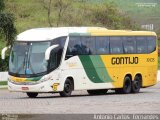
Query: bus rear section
x=124 y=63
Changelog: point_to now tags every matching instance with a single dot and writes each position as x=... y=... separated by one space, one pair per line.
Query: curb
x=5 y=86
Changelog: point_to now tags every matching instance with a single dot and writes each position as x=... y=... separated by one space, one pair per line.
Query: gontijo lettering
x=124 y=60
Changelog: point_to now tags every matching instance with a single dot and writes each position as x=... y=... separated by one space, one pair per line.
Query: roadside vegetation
x=53 y=13
x=7 y=32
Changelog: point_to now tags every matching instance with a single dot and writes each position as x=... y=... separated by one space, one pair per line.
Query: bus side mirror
x=48 y=51
x=4 y=51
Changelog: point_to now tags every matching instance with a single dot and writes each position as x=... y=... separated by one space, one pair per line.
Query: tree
x=109 y=15
x=7 y=31
x=2 y=5
x=7 y=27
x=47 y=6
x=59 y=6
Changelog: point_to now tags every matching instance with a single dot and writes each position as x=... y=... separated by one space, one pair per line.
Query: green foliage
x=109 y=16
x=106 y=15
x=61 y=7
x=4 y=64
x=7 y=27
x=2 y=5
x=34 y=14
x=7 y=32
x=140 y=14
x=67 y=13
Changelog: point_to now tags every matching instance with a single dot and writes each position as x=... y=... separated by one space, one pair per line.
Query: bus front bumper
x=40 y=87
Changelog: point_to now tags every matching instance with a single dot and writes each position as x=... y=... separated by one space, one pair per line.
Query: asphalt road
x=147 y=101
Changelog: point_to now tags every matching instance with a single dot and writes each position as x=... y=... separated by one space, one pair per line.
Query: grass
x=142 y=15
x=32 y=14
x=2 y=83
x=27 y=14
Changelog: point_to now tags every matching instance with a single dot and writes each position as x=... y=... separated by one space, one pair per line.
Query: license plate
x=25 y=88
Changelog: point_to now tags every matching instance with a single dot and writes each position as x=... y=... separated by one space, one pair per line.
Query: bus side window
x=74 y=47
x=151 y=44
x=129 y=45
x=55 y=58
x=88 y=45
x=116 y=45
x=141 y=44
x=102 y=45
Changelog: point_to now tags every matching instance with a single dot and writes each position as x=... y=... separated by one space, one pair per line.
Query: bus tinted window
x=74 y=46
x=141 y=44
x=60 y=41
x=116 y=45
x=151 y=44
x=56 y=54
x=102 y=45
x=88 y=45
x=129 y=45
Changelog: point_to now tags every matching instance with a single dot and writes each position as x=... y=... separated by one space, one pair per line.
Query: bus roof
x=45 y=34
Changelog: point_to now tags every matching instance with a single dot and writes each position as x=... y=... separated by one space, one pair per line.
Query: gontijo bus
x=48 y=60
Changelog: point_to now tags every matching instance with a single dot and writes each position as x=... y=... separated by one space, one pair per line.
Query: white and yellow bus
x=48 y=60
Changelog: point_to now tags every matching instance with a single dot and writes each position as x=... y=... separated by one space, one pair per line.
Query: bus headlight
x=43 y=79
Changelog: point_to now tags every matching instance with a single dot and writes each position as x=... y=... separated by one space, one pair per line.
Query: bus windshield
x=28 y=58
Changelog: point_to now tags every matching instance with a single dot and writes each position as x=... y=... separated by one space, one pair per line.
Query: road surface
x=147 y=101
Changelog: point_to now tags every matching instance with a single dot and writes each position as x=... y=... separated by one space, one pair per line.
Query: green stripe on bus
x=90 y=69
x=3 y=83
x=34 y=78
x=95 y=69
x=100 y=68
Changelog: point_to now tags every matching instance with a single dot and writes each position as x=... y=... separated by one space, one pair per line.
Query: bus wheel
x=32 y=95
x=97 y=92
x=126 y=86
x=136 y=85
x=68 y=88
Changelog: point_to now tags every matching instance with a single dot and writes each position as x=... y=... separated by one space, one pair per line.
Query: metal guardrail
x=3 y=76
x=3 y=79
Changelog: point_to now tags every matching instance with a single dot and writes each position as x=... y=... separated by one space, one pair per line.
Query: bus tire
x=97 y=92
x=68 y=88
x=136 y=85
x=32 y=94
x=127 y=85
